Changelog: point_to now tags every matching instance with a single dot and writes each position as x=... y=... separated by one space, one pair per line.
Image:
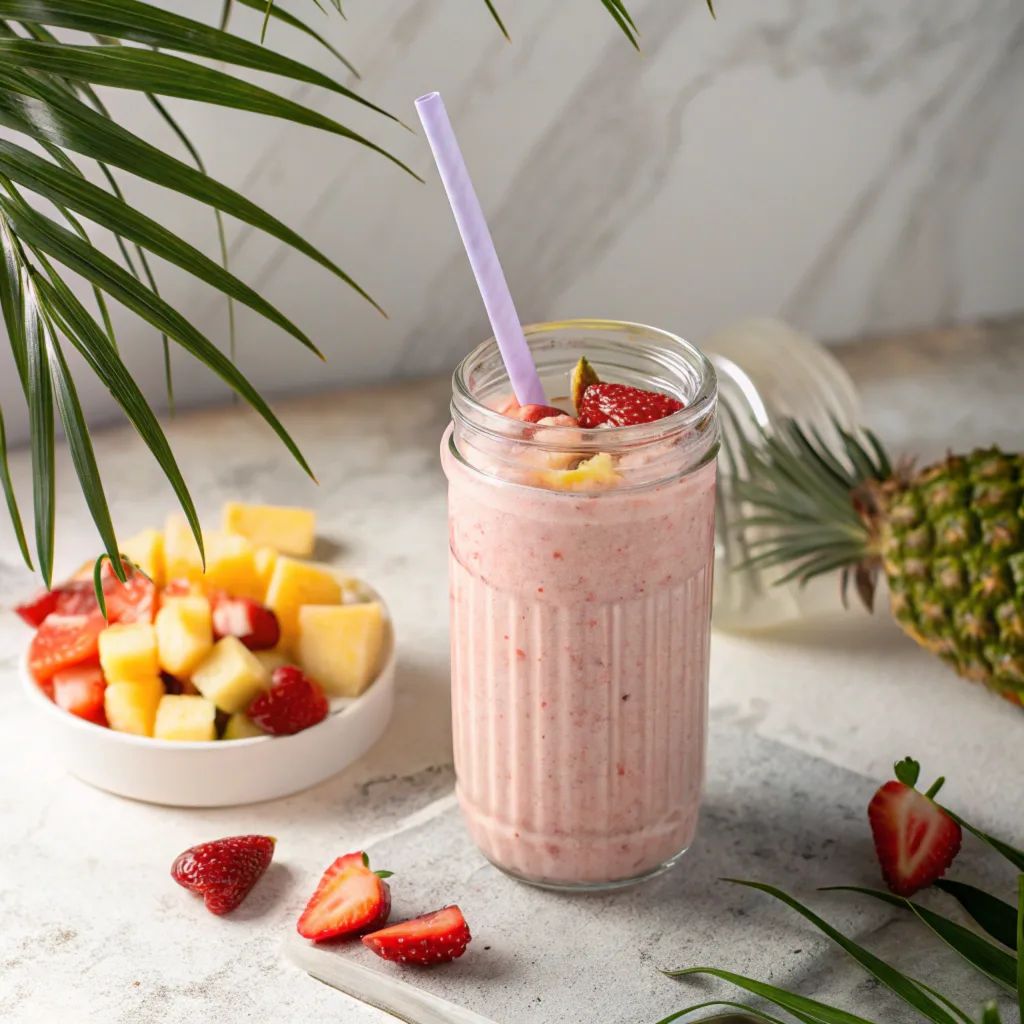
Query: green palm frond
x=59 y=130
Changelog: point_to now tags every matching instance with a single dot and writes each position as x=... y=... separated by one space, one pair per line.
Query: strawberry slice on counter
x=622 y=405
x=293 y=703
x=224 y=871
x=64 y=641
x=915 y=839
x=431 y=939
x=80 y=691
x=251 y=622
x=350 y=899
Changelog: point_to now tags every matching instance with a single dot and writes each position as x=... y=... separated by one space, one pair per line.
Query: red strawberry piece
x=431 y=939
x=74 y=598
x=223 y=872
x=64 y=641
x=532 y=413
x=293 y=703
x=915 y=839
x=350 y=899
x=253 y=623
x=79 y=691
x=178 y=588
x=561 y=420
x=132 y=601
x=621 y=405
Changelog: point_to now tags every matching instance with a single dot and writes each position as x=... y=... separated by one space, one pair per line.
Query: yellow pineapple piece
x=184 y=634
x=241 y=727
x=185 y=719
x=146 y=550
x=292 y=531
x=230 y=675
x=294 y=584
x=181 y=553
x=595 y=474
x=231 y=566
x=129 y=652
x=273 y=659
x=264 y=559
x=340 y=646
x=131 y=706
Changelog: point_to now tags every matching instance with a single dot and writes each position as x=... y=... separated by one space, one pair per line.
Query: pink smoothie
x=580 y=634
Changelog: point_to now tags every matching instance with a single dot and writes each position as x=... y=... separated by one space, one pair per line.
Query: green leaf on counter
x=898 y=983
x=990 y=1014
x=760 y=1014
x=802 y=1007
x=1011 y=853
x=1020 y=946
x=992 y=914
x=981 y=954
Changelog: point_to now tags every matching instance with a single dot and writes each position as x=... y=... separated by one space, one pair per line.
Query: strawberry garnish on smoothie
x=600 y=404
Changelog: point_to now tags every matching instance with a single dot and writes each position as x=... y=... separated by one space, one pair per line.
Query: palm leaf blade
x=11 y=497
x=997 y=918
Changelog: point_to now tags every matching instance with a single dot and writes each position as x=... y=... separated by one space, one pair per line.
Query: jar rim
x=698 y=408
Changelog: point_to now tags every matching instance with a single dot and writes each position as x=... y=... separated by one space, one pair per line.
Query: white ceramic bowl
x=221 y=773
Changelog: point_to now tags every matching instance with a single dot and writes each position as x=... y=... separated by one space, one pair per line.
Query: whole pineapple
x=948 y=538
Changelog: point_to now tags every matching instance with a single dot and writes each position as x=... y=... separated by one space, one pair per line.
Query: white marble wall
x=852 y=165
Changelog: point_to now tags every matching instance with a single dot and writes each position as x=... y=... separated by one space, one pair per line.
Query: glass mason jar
x=581 y=576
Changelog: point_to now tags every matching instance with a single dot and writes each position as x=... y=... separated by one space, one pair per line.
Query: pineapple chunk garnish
x=273 y=659
x=131 y=706
x=292 y=531
x=181 y=553
x=595 y=474
x=264 y=559
x=129 y=652
x=231 y=566
x=295 y=584
x=230 y=675
x=146 y=550
x=340 y=646
x=184 y=634
x=185 y=719
x=241 y=727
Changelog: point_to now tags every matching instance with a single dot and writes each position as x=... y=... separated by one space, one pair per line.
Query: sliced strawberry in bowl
x=224 y=871
x=80 y=691
x=621 y=405
x=78 y=597
x=915 y=839
x=431 y=939
x=251 y=622
x=64 y=641
x=293 y=703
x=132 y=601
x=350 y=899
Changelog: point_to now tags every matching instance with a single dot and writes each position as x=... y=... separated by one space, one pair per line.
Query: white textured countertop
x=91 y=926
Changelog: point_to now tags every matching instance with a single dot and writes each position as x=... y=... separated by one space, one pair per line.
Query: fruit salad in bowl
x=256 y=676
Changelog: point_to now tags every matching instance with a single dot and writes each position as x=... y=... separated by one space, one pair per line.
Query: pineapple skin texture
x=952 y=547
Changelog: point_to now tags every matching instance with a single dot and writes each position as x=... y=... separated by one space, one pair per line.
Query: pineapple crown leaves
x=817 y=505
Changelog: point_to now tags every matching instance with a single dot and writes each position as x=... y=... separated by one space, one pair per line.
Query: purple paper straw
x=480 y=248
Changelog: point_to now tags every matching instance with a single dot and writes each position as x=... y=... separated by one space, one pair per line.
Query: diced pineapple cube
x=146 y=550
x=128 y=652
x=595 y=474
x=185 y=719
x=184 y=634
x=292 y=531
x=340 y=646
x=131 y=706
x=241 y=727
x=273 y=659
x=181 y=553
x=231 y=566
x=230 y=675
x=264 y=559
x=294 y=584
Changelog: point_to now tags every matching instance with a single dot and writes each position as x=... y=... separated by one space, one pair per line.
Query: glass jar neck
x=498 y=445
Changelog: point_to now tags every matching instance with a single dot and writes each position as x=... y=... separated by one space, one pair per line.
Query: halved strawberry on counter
x=64 y=641
x=349 y=900
x=431 y=939
x=80 y=691
x=915 y=839
x=248 y=620
x=224 y=871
